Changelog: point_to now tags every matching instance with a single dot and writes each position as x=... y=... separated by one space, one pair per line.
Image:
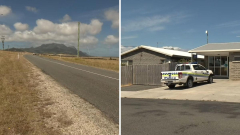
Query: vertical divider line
x=119 y=29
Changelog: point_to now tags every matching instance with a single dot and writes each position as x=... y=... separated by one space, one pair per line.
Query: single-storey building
x=222 y=58
x=153 y=55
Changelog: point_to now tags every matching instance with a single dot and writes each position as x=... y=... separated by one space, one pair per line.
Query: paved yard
x=179 y=117
x=221 y=90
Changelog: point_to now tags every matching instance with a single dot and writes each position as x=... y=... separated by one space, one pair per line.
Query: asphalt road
x=179 y=117
x=97 y=86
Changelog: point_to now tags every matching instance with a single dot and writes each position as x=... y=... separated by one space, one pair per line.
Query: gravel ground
x=67 y=112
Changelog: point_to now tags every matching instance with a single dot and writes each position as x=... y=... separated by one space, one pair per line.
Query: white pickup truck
x=187 y=74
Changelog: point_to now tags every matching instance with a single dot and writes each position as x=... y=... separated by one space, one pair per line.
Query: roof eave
x=142 y=46
x=229 y=50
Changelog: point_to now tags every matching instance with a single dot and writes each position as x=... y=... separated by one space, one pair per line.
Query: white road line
x=79 y=69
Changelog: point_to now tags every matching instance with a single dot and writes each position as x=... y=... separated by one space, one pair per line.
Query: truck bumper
x=169 y=81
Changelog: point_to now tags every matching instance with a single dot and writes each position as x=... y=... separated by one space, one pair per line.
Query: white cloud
x=113 y=15
x=4 y=10
x=66 y=18
x=229 y=24
x=45 y=26
x=95 y=27
x=5 y=30
x=48 y=32
x=20 y=26
x=129 y=37
x=125 y=48
x=31 y=36
x=171 y=48
x=31 y=9
x=153 y=23
x=191 y=31
x=156 y=28
x=145 y=22
x=111 y=40
x=235 y=32
x=89 y=40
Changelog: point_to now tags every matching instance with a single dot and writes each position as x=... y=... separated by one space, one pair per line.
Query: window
x=202 y=67
x=199 y=67
x=183 y=67
x=126 y=62
x=187 y=67
x=180 y=68
x=236 y=58
x=196 y=67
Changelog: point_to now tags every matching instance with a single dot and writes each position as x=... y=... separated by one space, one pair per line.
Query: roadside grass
x=99 y=63
x=20 y=107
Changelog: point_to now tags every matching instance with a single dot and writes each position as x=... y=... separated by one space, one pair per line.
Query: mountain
x=52 y=48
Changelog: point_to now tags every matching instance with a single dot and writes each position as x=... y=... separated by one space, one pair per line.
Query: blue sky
x=29 y=23
x=179 y=23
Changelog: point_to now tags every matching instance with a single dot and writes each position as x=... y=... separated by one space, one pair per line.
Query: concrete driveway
x=221 y=90
x=138 y=87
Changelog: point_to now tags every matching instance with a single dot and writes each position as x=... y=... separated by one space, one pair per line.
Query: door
x=204 y=73
x=197 y=75
x=219 y=65
x=211 y=63
x=201 y=73
x=224 y=66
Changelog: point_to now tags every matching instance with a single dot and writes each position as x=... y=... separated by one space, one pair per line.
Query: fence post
x=147 y=75
x=132 y=73
x=133 y=68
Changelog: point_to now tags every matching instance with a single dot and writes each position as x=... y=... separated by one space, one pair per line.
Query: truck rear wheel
x=171 y=86
x=189 y=83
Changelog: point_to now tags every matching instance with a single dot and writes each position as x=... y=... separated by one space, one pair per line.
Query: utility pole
x=3 y=38
x=207 y=36
x=78 y=38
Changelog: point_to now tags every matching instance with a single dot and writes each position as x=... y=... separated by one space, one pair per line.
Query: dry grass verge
x=100 y=63
x=21 y=109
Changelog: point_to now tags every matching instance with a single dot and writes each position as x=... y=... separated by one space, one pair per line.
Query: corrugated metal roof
x=234 y=46
x=163 y=51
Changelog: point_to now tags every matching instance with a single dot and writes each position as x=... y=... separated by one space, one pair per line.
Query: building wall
x=234 y=67
x=144 y=56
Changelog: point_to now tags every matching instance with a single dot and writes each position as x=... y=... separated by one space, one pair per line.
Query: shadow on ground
x=182 y=87
x=139 y=87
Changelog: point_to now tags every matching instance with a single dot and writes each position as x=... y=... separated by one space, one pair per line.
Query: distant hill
x=52 y=48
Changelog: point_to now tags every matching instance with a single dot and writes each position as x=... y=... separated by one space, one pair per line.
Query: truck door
x=204 y=73
x=198 y=73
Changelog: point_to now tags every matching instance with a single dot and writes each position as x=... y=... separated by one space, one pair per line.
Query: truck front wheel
x=171 y=86
x=210 y=79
